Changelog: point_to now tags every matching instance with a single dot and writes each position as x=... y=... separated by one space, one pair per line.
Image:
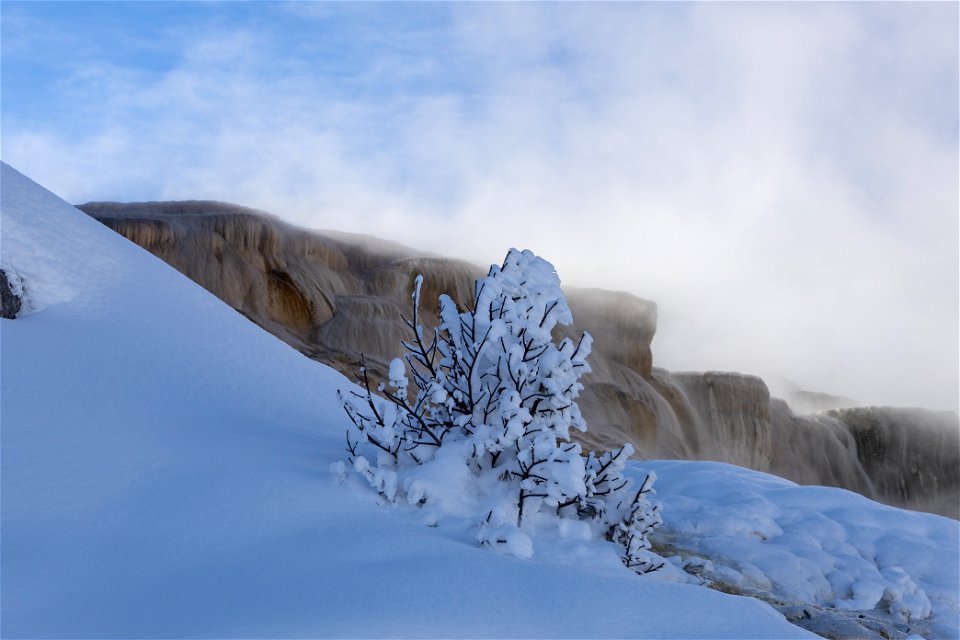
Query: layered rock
x=909 y=454
x=335 y=295
x=732 y=417
x=798 y=438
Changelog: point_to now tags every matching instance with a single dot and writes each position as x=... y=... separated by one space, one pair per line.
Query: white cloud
x=781 y=179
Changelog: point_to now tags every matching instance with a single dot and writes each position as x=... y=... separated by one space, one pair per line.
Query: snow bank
x=165 y=473
x=816 y=545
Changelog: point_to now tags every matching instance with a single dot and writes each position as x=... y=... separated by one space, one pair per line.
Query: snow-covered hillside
x=165 y=472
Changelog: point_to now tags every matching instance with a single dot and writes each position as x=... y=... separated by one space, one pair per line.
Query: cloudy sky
x=782 y=179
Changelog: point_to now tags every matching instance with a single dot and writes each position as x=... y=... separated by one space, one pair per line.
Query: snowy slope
x=165 y=473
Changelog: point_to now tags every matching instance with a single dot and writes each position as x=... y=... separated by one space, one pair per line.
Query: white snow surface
x=813 y=545
x=166 y=473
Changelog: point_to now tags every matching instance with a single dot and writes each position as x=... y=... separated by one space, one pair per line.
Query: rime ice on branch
x=494 y=391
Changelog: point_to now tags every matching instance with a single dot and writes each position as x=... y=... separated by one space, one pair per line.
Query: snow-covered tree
x=494 y=393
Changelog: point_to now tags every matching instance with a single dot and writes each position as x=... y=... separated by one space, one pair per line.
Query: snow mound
x=813 y=545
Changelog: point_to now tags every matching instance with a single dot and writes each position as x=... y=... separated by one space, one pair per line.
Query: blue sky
x=780 y=177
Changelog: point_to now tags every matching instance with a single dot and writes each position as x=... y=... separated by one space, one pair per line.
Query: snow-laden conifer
x=494 y=396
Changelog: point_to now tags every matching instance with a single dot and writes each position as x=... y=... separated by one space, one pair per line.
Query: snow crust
x=823 y=546
x=166 y=471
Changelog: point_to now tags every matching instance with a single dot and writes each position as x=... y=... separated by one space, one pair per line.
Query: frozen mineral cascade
x=334 y=295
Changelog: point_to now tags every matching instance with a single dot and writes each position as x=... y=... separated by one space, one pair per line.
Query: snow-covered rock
x=11 y=296
x=844 y=558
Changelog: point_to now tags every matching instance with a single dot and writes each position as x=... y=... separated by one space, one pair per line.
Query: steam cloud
x=782 y=179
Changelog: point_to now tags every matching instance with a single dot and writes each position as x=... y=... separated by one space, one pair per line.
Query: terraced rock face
x=910 y=454
x=334 y=295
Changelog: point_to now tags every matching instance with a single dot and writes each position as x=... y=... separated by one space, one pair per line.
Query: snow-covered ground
x=832 y=559
x=165 y=472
